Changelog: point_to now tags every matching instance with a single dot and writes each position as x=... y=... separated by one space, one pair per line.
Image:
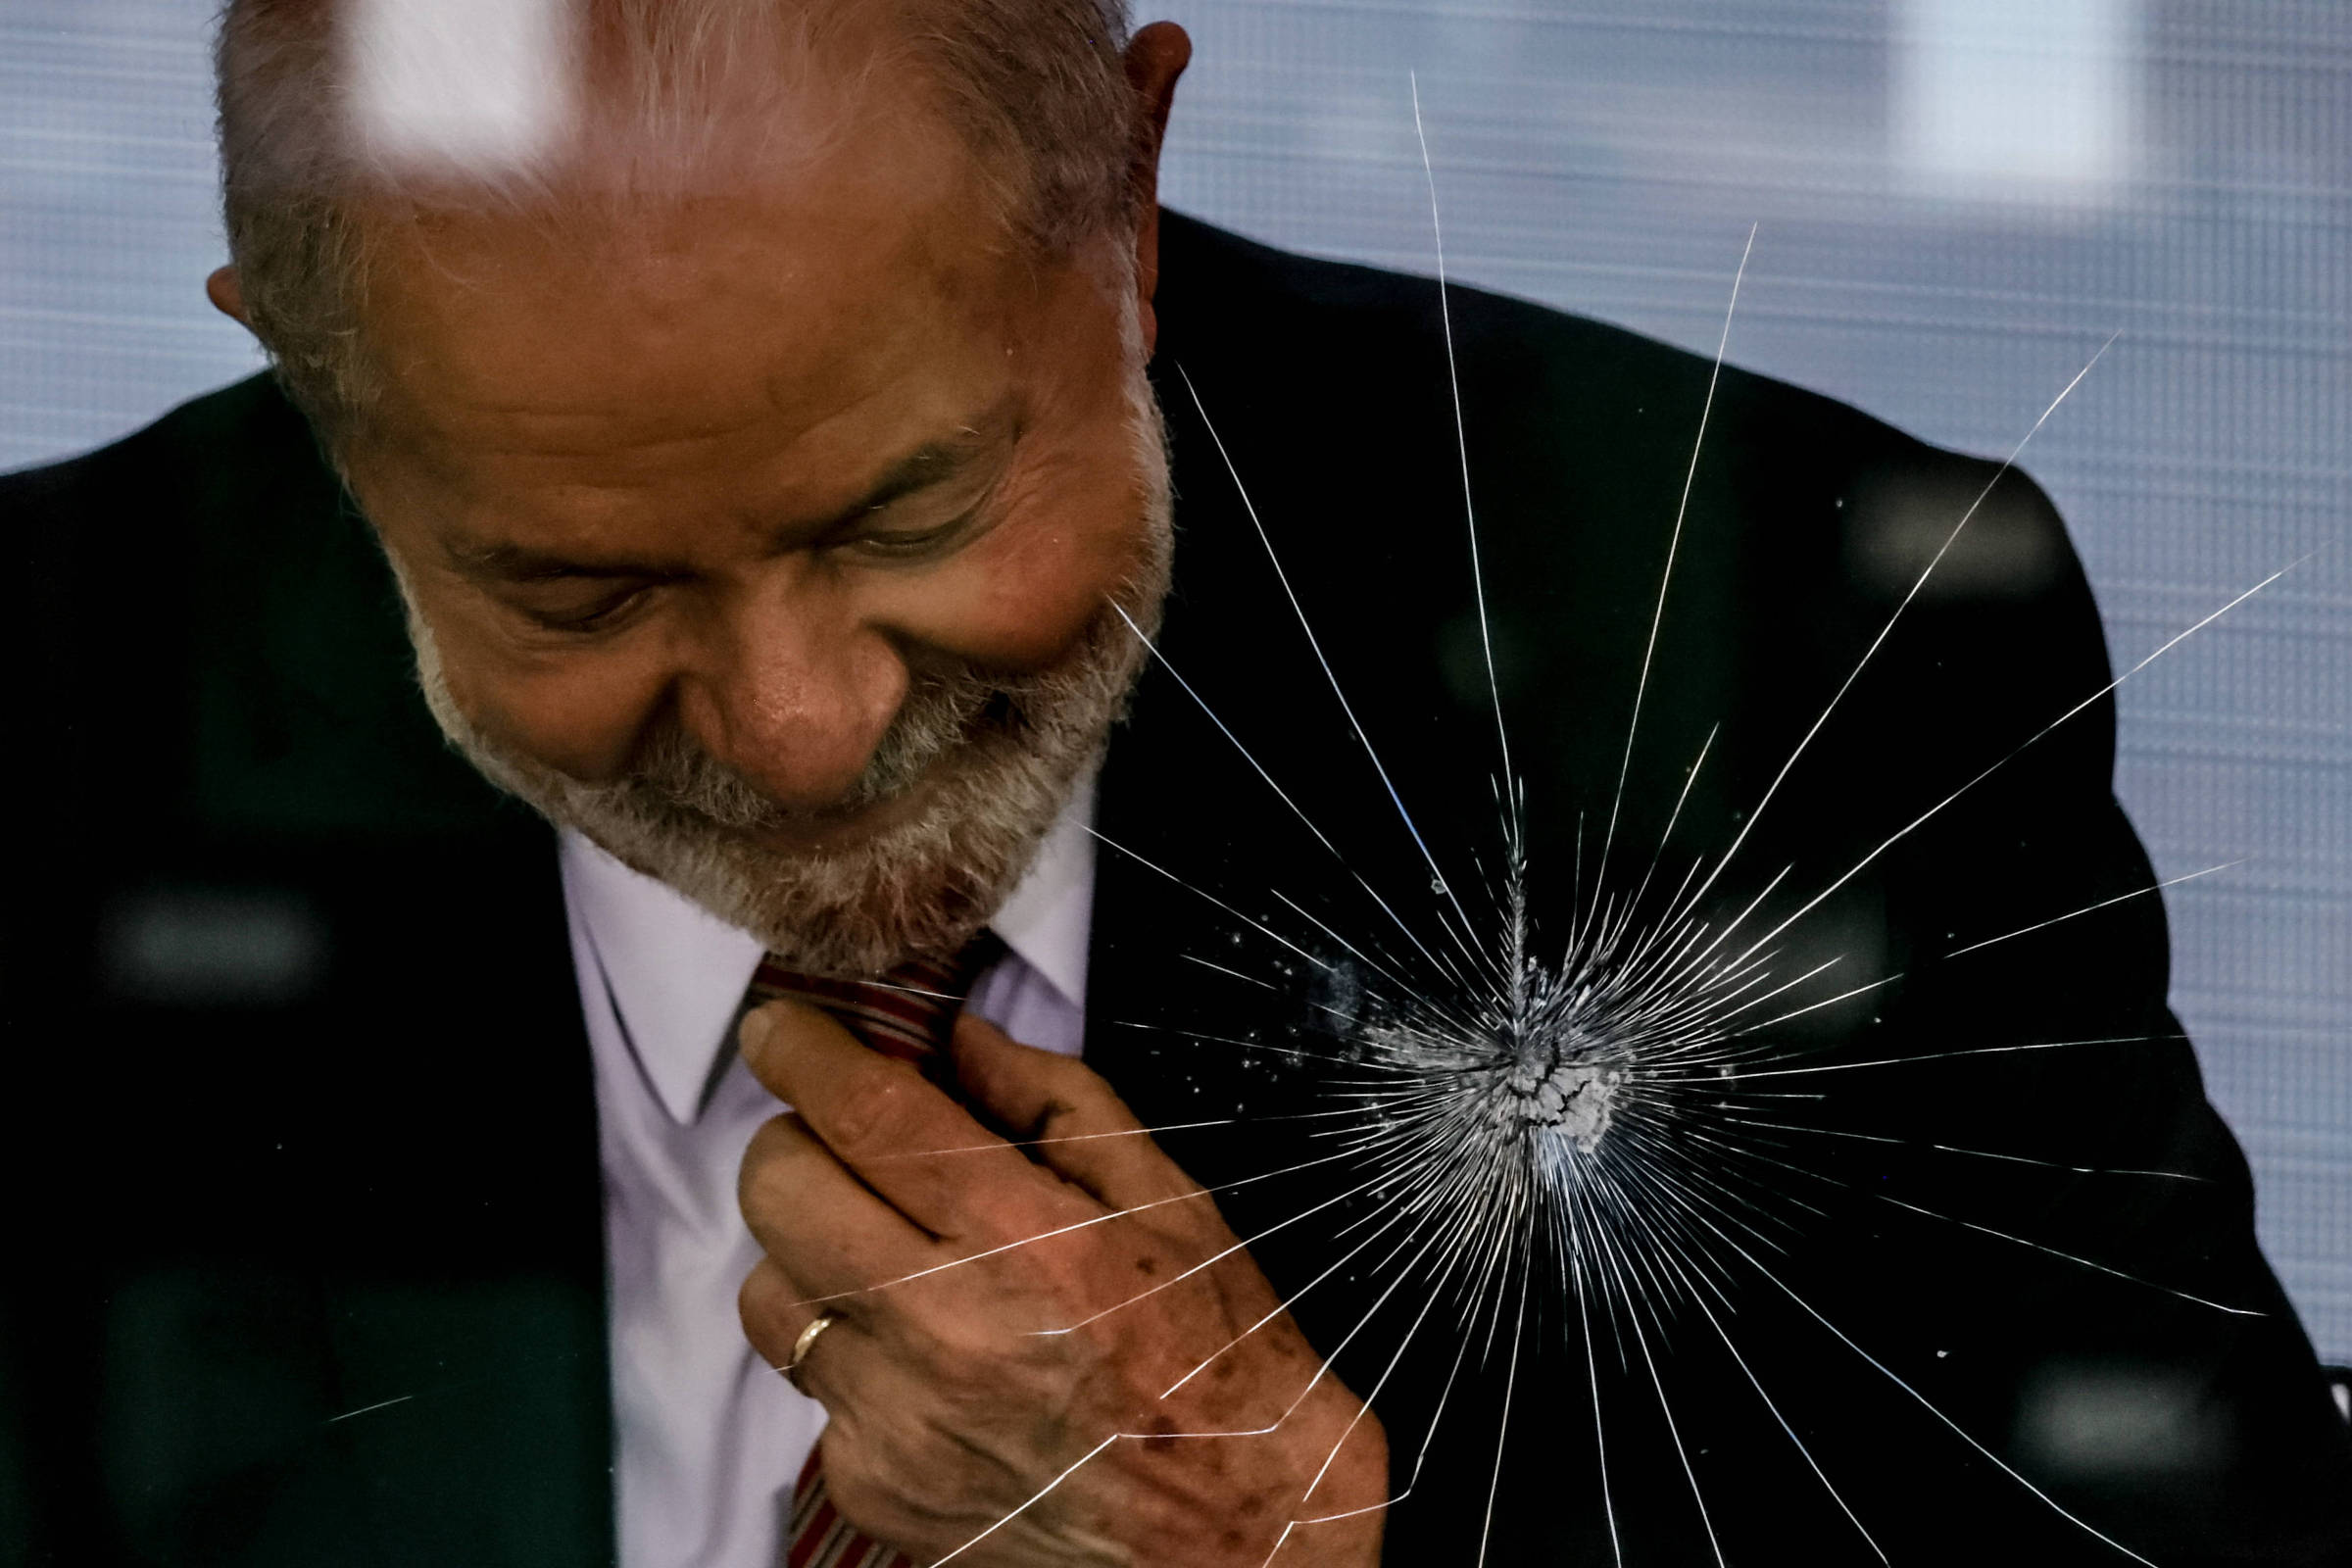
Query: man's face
x=772 y=538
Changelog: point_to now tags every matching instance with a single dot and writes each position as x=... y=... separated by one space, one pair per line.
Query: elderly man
x=766 y=447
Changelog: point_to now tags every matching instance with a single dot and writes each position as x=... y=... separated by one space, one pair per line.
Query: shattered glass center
x=1565 y=1088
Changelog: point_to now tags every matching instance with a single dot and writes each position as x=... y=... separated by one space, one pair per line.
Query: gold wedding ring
x=800 y=1347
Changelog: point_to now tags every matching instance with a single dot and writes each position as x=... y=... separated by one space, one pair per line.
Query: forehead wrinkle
x=622 y=443
x=520 y=564
x=524 y=433
x=590 y=548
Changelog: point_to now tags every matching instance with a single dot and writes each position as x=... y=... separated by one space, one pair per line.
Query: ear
x=228 y=295
x=1155 y=57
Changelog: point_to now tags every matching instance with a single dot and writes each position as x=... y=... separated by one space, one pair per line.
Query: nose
x=794 y=694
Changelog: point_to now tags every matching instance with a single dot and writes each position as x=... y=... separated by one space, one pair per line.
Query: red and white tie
x=908 y=1013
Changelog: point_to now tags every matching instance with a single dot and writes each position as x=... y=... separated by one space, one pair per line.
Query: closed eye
x=913 y=544
x=580 y=615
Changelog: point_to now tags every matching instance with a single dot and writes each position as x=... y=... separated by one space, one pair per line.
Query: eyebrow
x=930 y=464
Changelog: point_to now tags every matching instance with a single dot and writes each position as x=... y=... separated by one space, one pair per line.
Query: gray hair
x=1036 y=90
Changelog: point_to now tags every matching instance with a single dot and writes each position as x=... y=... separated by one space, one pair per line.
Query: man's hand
x=964 y=1394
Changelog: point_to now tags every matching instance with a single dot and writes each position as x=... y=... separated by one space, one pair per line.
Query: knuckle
x=888 y=1487
x=948 y=1352
x=756 y=1300
x=1070 y=1094
x=870 y=1108
x=960 y=1360
x=773 y=1146
x=774 y=1140
x=1070 y=1076
x=769 y=1325
x=850 y=1477
x=1086 y=1091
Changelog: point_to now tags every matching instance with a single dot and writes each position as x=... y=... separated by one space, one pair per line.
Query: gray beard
x=1002 y=754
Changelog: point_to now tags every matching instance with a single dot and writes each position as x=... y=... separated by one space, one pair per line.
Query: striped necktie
x=908 y=1013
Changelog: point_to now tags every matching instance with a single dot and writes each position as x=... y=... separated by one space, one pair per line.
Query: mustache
x=945 y=711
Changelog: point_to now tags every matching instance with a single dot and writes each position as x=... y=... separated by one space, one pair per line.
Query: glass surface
x=1956 y=202
x=1957 y=206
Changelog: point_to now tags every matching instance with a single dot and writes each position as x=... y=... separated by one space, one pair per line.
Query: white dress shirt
x=708 y=1438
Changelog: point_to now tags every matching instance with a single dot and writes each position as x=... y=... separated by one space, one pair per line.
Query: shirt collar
x=1051 y=913
x=677 y=973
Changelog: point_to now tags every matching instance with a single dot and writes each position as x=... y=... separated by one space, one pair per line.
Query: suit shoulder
x=1797 y=521
x=153 y=506
x=221 y=430
x=1229 y=294
x=211 y=566
x=1543 y=380
x=1781 y=467
x=131 y=528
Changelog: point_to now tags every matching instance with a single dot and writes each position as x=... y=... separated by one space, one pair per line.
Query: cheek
x=580 y=713
x=1059 y=580
x=1074 y=532
x=1034 y=587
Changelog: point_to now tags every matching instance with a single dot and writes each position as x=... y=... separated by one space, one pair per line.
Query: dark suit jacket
x=304 y=1260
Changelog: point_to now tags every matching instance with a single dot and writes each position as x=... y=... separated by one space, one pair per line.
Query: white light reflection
x=478 y=88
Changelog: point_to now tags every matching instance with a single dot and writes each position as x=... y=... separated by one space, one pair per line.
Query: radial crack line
x=1283 y=1305
x=1034 y=1500
x=1947 y=1056
x=1250 y=506
x=1065 y=1230
x=1973 y=1153
x=2039 y=1246
x=1673 y=1427
x=1863 y=990
x=1462 y=441
x=1928 y=1406
x=1673 y=1248
x=2002 y=472
x=1250 y=756
x=1674 y=545
x=1675 y=817
x=1913 y=826
x=2094 y=908
x=1088 y=1138
x=1257 y=925
x=1600 y=1441
x=1510 y=1388
x=1211 y=1261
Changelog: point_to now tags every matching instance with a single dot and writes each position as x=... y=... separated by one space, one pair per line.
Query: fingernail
x=758 y=1024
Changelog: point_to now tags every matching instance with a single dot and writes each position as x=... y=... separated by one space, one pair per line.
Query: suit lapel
x=1353 y=474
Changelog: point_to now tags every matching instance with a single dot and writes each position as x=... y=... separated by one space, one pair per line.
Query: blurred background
x=1957 y=202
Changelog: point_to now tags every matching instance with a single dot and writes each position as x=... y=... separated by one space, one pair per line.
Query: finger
x=775 y=1317
x=774 y=1312
x=1066 y=1117
x=809 y=1213
x=878 y=1115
